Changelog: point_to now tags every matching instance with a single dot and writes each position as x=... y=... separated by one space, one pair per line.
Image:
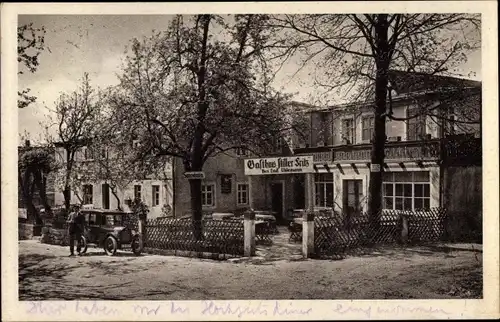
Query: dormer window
x=241 y=151
x=88 y=154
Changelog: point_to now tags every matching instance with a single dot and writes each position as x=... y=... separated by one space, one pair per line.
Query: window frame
x=370 y=129
x=322 y=184
x=240 y=192
x=86 y=194
x=351 y=135
x=212 y=192
x=140 y=191
x=424 y=198
x=416 y=127
x=155 y=195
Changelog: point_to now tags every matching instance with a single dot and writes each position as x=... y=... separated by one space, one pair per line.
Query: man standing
x=76 y=227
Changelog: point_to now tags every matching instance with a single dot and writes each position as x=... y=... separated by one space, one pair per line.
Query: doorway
x=277 y=200
x=105 y=196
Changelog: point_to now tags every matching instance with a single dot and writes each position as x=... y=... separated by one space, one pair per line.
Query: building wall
x=166 y=189
x=362 y=172
x=230 y=164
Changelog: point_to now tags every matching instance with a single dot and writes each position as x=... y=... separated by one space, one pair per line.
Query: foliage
x=30 y=44
x=34 y=165
x=354 y=53
x=198 y=89
x=76 y=114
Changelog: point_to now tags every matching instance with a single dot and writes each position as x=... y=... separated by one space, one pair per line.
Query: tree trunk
x=379 y=137
x=115 y=193
x=67 y=188
x=196 y=207
x=42 y=188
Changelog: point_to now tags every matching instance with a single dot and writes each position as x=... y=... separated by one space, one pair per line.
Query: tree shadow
x=118 y=254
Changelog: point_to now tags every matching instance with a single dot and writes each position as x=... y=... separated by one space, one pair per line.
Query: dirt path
x=46 y=273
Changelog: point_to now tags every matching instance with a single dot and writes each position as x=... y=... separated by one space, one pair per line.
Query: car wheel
x=110 y=246
x=83 y=245
x=136 y=245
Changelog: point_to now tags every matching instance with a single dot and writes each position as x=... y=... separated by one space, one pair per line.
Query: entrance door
x=352 y=194
x=105 y=196
x=277 y=200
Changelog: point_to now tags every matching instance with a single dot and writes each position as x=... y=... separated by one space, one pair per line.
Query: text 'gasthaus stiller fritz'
x=263 y=166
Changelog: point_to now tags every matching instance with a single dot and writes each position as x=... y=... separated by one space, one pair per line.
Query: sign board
x=193 y=175
x=225 y=185
x=282 y=165
x=375 y=167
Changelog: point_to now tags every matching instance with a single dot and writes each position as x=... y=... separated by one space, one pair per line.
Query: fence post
x=404 y=228
x=308 y=234
x=249 y=233
x=141 y=227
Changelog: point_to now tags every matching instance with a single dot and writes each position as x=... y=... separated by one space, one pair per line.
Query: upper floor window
x=367 y=125
x=277 y=143
x=416 y=127
x=88 y=153
x=348 y=131
x=103 y=153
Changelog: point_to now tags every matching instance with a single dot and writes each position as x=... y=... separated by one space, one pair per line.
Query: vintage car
x=111 y=230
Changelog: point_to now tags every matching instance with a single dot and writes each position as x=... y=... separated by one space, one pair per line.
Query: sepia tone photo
x=249 y=156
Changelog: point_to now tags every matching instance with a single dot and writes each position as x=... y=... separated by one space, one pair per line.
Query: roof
x=409 y=85
x=411 y=82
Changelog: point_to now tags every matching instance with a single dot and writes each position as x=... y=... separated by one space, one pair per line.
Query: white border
x=12 y=309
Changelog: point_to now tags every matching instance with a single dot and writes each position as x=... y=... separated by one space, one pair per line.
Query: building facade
x=422 y=134
x=156 y=192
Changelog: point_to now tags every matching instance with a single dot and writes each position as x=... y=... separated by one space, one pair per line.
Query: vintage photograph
x=250 y=156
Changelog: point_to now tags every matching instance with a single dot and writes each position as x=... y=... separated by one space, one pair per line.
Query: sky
x=96 y=44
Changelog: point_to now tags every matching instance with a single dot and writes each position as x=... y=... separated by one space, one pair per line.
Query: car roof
x=104 y=211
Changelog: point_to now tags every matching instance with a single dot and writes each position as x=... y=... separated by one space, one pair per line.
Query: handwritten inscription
x=262 y=309
x=225 y=308
x=366 y=311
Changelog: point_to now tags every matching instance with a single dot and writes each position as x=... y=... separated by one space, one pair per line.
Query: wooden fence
x=338 y=235
x=218 y=236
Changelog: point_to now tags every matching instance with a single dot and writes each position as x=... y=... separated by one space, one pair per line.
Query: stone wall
x=55 y=236
x=25 y=231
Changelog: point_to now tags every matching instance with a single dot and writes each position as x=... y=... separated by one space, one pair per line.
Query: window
x=416 y=128
x=207 y=195
x=277 y=143
x=137 y=192
x=88 y=193
x=324 y=189
x=367 y=125
x=406 y=190
x=88 y=154
x=348 y=131
x=242 y=192
x=156 y=195
x=241 y=151
x=103 y=153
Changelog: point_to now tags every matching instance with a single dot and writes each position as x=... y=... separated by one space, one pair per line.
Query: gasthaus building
x=328 y=166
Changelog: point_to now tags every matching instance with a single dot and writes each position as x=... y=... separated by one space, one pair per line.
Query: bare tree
x=198 y=89
x=30 y=44
x=354 y=53
x=75 y=116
